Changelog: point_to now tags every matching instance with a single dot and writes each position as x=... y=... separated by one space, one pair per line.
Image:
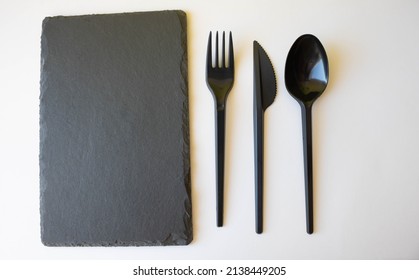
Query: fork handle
x=220 y=143
x=258 y=138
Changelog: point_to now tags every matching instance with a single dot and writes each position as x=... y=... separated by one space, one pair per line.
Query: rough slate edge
x=185 y=128
x=171 y=240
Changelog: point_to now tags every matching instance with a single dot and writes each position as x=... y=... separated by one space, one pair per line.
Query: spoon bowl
x=306 y=78
x=306 y=69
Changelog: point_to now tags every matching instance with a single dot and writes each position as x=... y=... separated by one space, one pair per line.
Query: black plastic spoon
x=306 y=77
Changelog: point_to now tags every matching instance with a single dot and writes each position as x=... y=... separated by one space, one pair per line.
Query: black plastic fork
x=220 y=79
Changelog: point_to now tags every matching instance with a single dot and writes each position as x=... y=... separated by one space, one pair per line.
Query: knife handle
x=258 y=141
x=220 y=143
x=308 y=166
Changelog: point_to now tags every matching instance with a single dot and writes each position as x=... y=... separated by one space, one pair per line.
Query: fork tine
x=209 y=51
x=231 y=53
x=223 y=58
x=216 y=50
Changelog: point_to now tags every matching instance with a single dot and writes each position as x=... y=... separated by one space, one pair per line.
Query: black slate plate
x=114 y=130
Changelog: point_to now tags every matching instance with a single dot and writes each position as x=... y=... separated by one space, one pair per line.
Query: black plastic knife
x=264 y=84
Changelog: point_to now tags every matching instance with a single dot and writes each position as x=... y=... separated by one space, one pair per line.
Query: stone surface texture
x=114 y=130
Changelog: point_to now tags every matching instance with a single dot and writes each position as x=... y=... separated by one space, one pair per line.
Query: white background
x=366 y=132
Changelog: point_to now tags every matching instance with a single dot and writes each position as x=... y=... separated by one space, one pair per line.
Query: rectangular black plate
x=114 y=130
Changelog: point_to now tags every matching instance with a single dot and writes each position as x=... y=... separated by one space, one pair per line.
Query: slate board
x=114 y=130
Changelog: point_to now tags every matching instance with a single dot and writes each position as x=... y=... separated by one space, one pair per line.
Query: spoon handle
x=220 y=143
x=308 y=165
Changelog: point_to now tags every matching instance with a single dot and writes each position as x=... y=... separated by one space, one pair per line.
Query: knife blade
x=264 y=90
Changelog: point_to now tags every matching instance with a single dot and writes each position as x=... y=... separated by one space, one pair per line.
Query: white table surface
x=366 y=132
